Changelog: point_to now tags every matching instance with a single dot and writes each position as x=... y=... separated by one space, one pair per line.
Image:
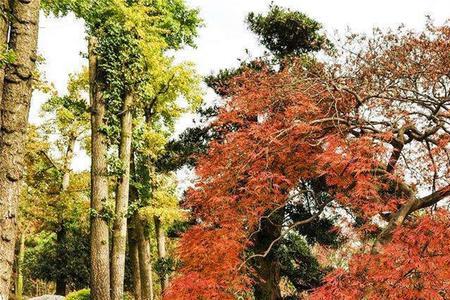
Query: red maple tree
x=373 y=128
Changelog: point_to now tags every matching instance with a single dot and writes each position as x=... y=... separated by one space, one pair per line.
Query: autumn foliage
x=415 y=265
x=371 y=129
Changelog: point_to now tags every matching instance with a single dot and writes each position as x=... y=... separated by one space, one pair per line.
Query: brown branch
x=408 y=208
x=282 y=235
x=50 y=160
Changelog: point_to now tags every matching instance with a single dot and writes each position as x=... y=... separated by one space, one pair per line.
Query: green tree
x=128 y=60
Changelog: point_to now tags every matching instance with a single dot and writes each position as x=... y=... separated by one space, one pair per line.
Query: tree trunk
x=145 y=265
x=132 y=237
x=122 y=197
x=15 y=106
x=161 y=241
x=4 y=29
x=67 y=162
x=134 y=258
x=61 y=281
x=267 y=281
x=100 y=272
x=20 y=258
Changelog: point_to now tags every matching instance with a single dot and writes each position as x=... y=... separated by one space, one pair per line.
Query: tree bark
x=100 y=270
x=4 y=29
x=132 y=237
x=145 y=265
x=20 y=259
x=134 y=258
x=61 y=282
x=268 y=269
x=15 y=106
x=405 y=210
x=122 y=198
x=161 y=241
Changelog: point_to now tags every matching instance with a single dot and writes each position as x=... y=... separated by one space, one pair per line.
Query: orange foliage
x=414 y=265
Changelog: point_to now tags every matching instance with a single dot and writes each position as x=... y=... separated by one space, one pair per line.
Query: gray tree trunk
x=15 y=106
x=122 y=198
x=100 y=270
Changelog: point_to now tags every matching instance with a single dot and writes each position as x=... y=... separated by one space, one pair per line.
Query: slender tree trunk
x=144 y=239
x=15 y=106
x=100 y=272
x=268 y=270
x=20 y=258
x=122 y=198
x=4 y=29
x=145 y=265
x=134 y=258
x=161 y=241
x=61 y=282
x=132 y=237
x=67 y=162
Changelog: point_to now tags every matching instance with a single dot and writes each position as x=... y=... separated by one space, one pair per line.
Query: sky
x=224 y=36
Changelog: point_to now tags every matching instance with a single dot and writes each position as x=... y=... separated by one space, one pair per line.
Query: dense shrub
x=80 y=295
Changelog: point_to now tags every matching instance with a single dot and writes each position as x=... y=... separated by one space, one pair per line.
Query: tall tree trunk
x=161 y=241
x=145 y=265
x=61 y=282
x=100 y=271
x=122 y=197
x=20 y=258
x=143 y=244
x=4 y=29
x=132 y=237
x=267 y=281
x=15 y=106
x=134 y=258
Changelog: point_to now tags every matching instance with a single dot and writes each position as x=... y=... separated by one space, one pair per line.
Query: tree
x=336 y=124
x=15 y=103
x=59 y=196
x=71 y=123
x=411 y=96
x=286 y=34
x=128 y=55
x=55 y=222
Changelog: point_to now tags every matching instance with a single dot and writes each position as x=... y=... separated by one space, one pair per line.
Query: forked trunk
x=14 y=109
x=268 y=270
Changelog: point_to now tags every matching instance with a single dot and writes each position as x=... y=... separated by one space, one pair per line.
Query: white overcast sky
x=225 y=37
